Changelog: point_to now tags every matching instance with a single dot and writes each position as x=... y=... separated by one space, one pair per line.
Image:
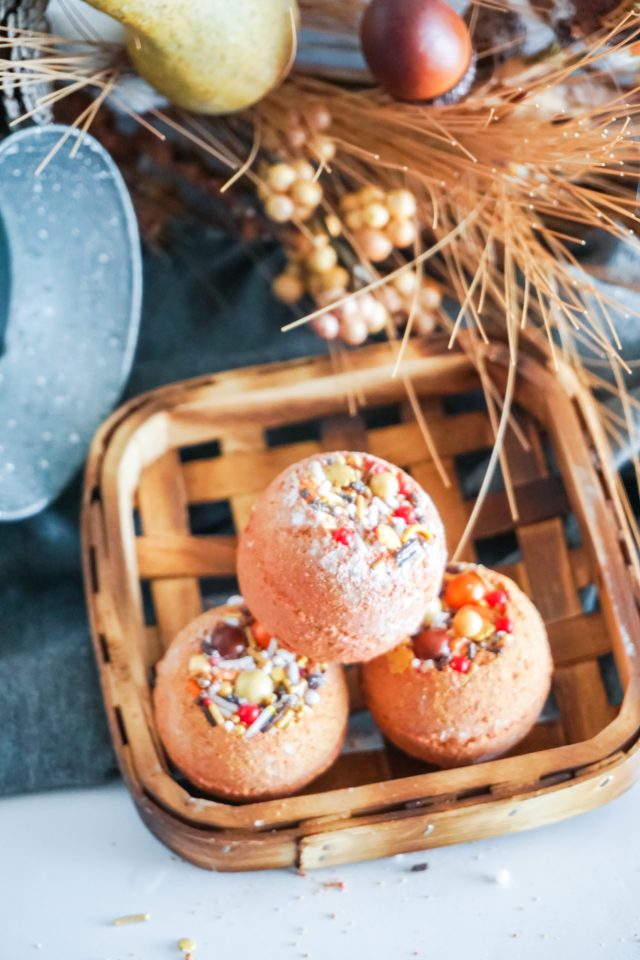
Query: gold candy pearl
x=280 y=208
x=384 y=485
x=288 y=288
x=253 y=685
x=281 y=176
x=468 y=623
x=401 y=204
x=225 y=689
x=322 y=259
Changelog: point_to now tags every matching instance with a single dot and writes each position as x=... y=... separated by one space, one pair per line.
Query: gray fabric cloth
x=206 y=308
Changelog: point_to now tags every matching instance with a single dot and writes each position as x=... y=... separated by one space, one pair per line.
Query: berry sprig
x=380 y=221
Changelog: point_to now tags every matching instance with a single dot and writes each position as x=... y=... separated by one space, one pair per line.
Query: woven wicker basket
x=221 y=439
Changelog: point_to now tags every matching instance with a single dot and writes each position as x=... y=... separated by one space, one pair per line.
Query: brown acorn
x=417 y=49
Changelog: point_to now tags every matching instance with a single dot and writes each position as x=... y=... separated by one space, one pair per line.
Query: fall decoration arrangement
x=426 y=166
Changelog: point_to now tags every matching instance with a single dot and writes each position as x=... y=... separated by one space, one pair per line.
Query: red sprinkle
x=503 y=624
x=497 y=598
x=460 y=664
x=248 y=712
x=343 y=535
x=407 y=513
x=373 y=467
x=205 y=701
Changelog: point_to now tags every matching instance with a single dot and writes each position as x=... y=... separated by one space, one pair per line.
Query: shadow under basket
x=173 y=474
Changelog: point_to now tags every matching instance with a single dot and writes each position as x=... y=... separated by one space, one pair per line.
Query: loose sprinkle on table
x=131 y=918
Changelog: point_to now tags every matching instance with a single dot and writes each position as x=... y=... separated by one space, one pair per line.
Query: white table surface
x=71 y=862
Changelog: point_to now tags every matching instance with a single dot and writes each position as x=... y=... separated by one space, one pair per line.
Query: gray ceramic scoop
x=70 y=298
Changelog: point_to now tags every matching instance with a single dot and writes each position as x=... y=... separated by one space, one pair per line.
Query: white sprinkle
x=294 y=673
x=235 y=601
x=226 y=708
x=318 y=474
x=244 y=663
x=311 y=697
x=258 y=723
x=502 y=877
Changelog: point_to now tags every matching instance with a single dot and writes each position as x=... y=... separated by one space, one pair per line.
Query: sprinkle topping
x=360 y=502
x=244 y=682
x=467 y=626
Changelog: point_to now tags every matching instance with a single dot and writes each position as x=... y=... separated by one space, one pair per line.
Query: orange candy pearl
x=261 y=636
x=463 y=589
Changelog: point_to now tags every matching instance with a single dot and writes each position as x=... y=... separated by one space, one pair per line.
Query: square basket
x=171 y=477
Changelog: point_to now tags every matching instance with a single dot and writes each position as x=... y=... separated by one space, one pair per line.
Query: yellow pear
x=210 y=56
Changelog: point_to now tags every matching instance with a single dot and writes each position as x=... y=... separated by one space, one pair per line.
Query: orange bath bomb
x=242 y=718
x=472 y=682
x=341 y=553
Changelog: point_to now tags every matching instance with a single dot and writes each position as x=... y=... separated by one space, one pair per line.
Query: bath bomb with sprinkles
x=472 y=681
x=241 y=717
x=341 y=555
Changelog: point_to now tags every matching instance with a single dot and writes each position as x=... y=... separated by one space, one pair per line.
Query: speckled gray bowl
x=70 y=299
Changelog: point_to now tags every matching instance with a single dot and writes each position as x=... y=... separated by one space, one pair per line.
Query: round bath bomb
x=242 y=718
x=340 y=556
x=472 y=682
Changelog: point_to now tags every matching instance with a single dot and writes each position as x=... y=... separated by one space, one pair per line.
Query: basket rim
x=114 y=441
